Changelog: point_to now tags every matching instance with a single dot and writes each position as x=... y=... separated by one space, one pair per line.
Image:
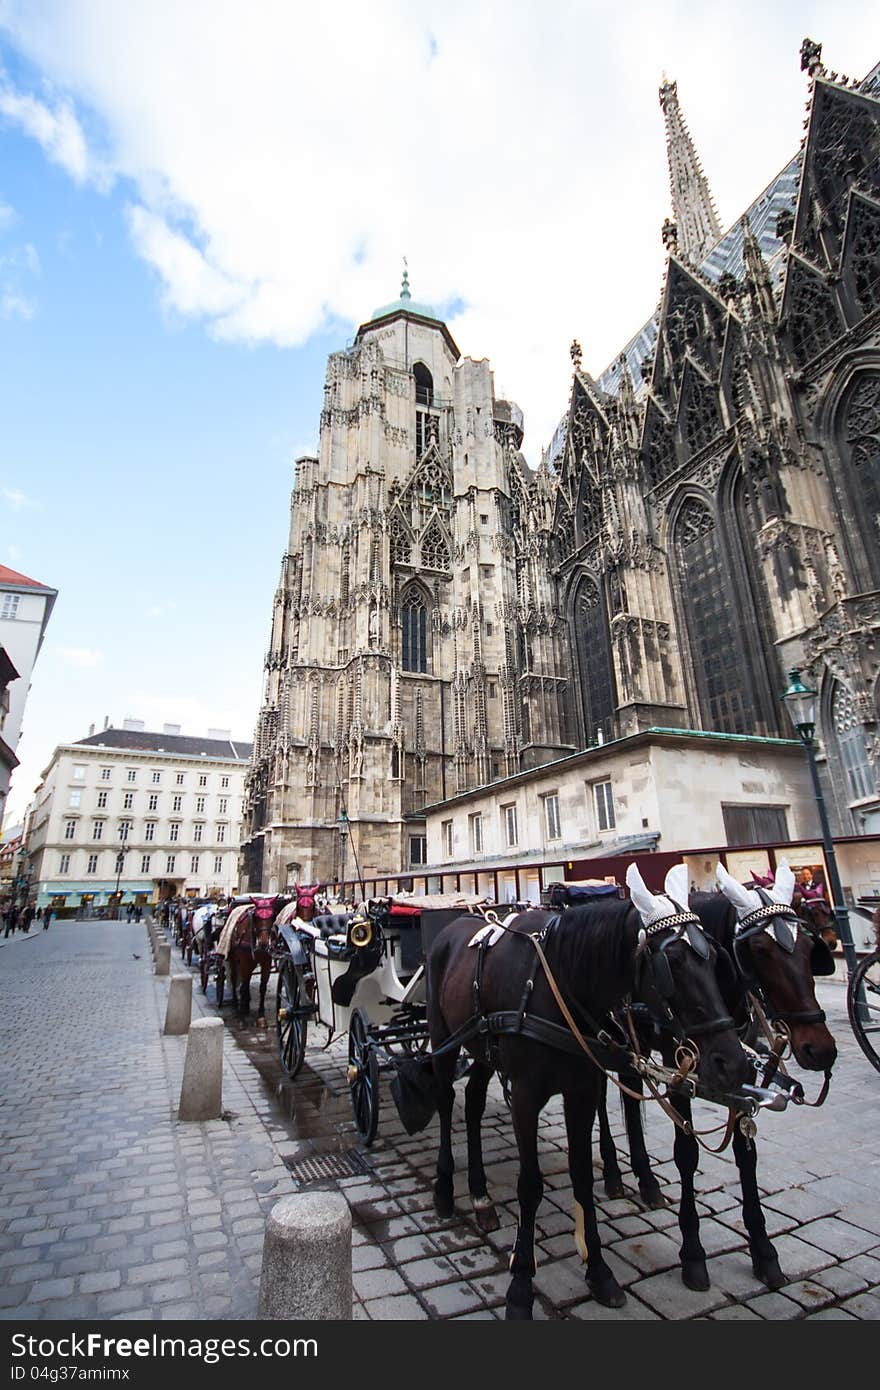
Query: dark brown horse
x=499 y=1003
x=766 y=958
x=251 y=947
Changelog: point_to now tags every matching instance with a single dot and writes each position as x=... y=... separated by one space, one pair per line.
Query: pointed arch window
x=851 y=742
x=414 y=630
x=435 y=551
x=861 y=441
x=595 y=665
x=718 y=662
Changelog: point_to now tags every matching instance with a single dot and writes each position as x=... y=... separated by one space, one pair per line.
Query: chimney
x=220 y=733
x=91 y=730
x=133 y=726
x=106 y=721
x=171 y=728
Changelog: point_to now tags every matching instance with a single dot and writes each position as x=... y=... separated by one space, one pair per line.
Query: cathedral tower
x=693 y=207
x=413 y=652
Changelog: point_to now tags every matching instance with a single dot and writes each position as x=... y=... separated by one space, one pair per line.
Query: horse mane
x=595 y=942
x=718 y=917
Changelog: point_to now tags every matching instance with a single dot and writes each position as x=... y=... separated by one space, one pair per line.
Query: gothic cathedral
x=707 y=516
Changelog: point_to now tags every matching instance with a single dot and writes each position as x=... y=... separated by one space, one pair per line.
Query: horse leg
x=611 y=1174
x=474 y=1107
x=444 y=1071
x=694 y=1273
x=265 y=968
x=765 y=1261
x=525 y=1108
x=649 y=1187
x=580 y=1110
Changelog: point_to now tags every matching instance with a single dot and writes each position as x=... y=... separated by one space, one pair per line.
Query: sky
x=200 y=201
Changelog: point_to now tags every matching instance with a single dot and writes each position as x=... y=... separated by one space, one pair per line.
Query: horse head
x=306 y=905
x=778 y=954
x=675 y=977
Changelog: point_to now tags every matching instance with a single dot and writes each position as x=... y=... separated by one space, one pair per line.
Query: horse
x=251 y=944
x=767 y=960
x=503 y=1004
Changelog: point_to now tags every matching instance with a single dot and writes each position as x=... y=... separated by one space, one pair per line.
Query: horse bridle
x=752 y=925
x=658 y=988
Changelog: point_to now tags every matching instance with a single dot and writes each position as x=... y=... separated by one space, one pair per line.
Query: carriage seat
x=332 y=925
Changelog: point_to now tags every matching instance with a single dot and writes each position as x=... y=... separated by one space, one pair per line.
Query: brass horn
x=361 y=933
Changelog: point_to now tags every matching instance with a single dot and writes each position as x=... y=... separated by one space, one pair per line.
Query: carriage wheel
x=363 y=1077
x=292 y=1027
x=867 y=1030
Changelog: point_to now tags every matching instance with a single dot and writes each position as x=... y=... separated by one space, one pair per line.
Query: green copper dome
x=405 y=304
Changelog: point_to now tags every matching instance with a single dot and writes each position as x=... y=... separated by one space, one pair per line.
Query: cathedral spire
x=692 y=204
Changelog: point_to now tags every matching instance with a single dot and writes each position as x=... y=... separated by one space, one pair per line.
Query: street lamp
x=800 y=701
x=342 y=826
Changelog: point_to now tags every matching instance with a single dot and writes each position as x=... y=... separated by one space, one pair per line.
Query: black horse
x=764 y=957
x=500 y=1004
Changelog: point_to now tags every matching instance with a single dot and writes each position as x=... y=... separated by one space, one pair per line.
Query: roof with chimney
x=146 y=741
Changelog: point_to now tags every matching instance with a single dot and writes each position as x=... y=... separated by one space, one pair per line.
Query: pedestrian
x=47 y=917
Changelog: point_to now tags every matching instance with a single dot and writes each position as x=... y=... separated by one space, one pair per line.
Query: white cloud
x=15 y=305
x=8 y=215
x=17 y=499
x=284 y=157
x=83 y=658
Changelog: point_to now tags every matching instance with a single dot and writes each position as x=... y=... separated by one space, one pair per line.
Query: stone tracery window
x=401 y=550
x=593 y=647
x=861 y=434
x=435 y=551
x=414 y=629
x=719 y=663
x=851 y=741
x=813 y=321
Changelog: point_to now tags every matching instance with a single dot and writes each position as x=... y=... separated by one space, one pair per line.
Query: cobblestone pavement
x=113 y=1208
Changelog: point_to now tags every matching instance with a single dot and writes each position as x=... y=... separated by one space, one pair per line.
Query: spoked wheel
x=291 y=1024
x=363 y=1077
x=866 y=1029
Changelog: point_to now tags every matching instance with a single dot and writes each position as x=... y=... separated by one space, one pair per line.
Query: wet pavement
x=112 y=1207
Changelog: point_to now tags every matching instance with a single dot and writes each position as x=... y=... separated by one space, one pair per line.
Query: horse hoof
x=614 y=1187
x=444 y=1207
x=769 y=1272
x=653 y=1198
x=606 y=1290
x=517 y=1312
x=486 y=1218
x=695 y=1275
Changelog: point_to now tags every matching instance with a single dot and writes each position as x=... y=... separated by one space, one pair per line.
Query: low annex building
x=129 y=816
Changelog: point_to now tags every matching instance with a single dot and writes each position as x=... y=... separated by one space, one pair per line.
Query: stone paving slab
x=111 y=1207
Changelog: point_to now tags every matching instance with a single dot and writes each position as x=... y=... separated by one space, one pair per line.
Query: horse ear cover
x=783 y=887
x=743 y=899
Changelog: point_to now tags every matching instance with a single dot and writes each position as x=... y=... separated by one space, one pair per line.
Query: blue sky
x=198 y=203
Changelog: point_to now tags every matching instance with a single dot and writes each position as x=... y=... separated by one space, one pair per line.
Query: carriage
x=363 y=973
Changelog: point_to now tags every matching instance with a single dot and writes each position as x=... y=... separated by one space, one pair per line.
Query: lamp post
x=342 y=825
x=800 y=701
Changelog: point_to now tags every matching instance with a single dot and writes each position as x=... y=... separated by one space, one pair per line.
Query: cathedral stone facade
x=707 y=517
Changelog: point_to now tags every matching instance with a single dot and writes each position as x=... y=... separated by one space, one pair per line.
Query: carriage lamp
x=800 y=702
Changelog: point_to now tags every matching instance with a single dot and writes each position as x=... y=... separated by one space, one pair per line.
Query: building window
x=511 y=832
x=604 y=803
x=475 y=828
x=203 y=779
x=551 y=816
x=92 y=866
x=131 y=774
x=218 y=863
x=224 y=782
x=221 y=834
x=418 y=849
x=197 y=834
x=97 y=830
x=174 y=832
x=179 y=779
x=200 y=805
x=124 y=829
x=493 y=690
x=157 y=778
x=10 y=606
x=145 y=863
x=64 y=864
x=150 y=830
x=74 y=801
x=105 y=774
x=595 y=663
x=224 y=802
x=102 y=800
x=128 y=801
x=489 y=629
x=448 y=842
x=69 y=829
x=851 y=741
x=487 y=572
x=79 y=772
x=484 y=518
x=755 y=825
x=414 y=621
x=153 y=802
x=169 y=864
x=194 y=864
x=176 y=803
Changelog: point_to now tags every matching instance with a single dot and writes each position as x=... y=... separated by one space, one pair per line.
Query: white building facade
x=131 y=816
x=25 y=609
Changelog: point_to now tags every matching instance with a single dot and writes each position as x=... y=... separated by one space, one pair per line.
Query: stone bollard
x=178 y=1012
x=306 y=1269
x=202 y=1089
x=163 y=959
